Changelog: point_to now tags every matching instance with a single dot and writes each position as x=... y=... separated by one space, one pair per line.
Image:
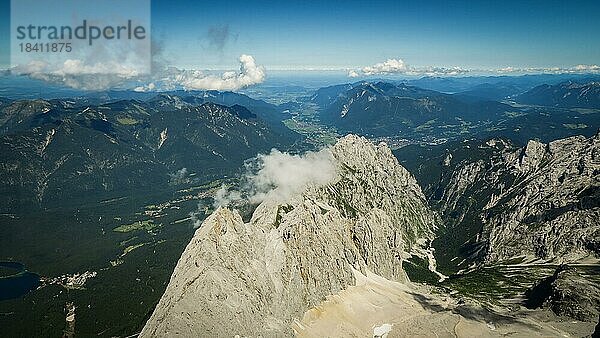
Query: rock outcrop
x=567 y=293
x=538 y=202
x=257 y=278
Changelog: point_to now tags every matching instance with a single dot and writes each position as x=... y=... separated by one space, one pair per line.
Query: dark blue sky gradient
x=350 y=34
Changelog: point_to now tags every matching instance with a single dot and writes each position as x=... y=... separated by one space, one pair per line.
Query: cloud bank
x=280 y=176
x=549 y=70
x=399 y=67
x=77 y=74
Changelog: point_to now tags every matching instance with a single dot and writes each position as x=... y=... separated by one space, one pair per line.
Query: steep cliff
x=256 y=278
x=539 y=202
x=553 y=210
x=329 y=260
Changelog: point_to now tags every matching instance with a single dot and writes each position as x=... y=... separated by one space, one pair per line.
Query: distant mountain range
x=382 y=109
x=489 y=91
x=566 y=94
x=522 y=82
x=60 y=151
x=386 y=109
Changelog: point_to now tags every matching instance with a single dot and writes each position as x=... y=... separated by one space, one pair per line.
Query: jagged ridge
x=255 y=278
x=540 y=201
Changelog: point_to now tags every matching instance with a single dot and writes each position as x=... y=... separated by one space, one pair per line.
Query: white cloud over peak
x=249 y=74
x=391 y=66
x=353 y=73
x=281 y=176
x=145 y=88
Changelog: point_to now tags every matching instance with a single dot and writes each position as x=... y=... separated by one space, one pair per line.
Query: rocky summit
x=257 y=277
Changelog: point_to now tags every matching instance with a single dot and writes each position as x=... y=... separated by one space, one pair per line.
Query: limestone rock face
x=541 y=201
x=554 y=210
x=257 y=278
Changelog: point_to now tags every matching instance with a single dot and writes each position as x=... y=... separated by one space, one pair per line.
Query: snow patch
x=163 y=137
x=382 y=331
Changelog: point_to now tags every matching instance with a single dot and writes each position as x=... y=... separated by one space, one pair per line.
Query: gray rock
x=538 y=202
x=256 y=278
x=567 y=293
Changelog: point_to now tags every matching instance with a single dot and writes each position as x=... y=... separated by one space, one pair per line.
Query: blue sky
x=351 y=34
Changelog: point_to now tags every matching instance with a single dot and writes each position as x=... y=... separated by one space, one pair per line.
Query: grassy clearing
x=127 y=121
x=496 y=284
x=131 y=248
x=575 y=126
x=146 y=225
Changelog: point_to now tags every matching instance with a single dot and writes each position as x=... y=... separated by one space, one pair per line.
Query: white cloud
x=77 y=74
x=78 y=67
x=507 y=70
x=579 y=69
x=436 y=71
x=399 y=67
x=35 y=66
x=249 y=74
x=281 y=176
x=99 y=76
x=391 y=66
x=179 y=176
x=587 y=68
x=224 y=196
x=145 y=88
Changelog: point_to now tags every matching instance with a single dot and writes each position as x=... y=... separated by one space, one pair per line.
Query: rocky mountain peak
x=256 y=278
x=531 y=155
